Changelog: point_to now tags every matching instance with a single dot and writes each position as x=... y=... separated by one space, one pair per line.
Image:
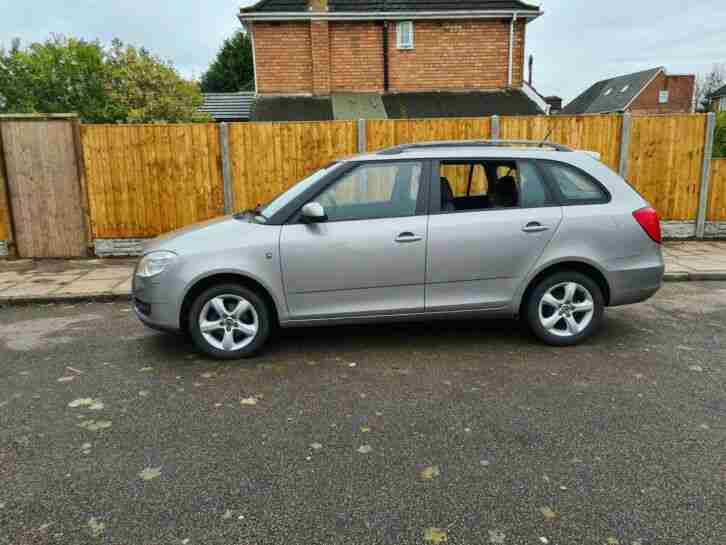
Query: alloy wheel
x=566 y=309
x=229 y=322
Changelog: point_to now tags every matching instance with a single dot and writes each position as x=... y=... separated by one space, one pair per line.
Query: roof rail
x=473 y=143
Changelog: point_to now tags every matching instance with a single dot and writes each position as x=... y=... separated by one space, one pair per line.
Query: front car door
x=369 y=257
x=481 y=246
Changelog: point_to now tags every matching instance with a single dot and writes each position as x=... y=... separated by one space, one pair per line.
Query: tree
x=116 y=84
x=233 y=68
x=707 y=84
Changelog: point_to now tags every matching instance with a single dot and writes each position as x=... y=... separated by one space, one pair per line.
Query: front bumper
x=153 y=303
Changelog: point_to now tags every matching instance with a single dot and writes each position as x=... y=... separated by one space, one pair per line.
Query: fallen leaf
x=208 y=375
x=97 y=406
x=436 y=535
x=150 y=473
x=352 y=364
x=484 y=463
x=146 y=369
x=549 y=514
x=316 y=446
x=95 y=425
x=248 y=402
x=365 y=428
x=83 y=402
x=696 y=368
x=496 y=537
x=227 y=515
x=544 y=540
x=144 y=393
x=429 y=473
x=613 y=541
x=97 y=527
x=365 y=449
x=66 y=379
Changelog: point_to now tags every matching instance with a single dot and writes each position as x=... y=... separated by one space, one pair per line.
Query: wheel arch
x=216 y=278
x=582 y=267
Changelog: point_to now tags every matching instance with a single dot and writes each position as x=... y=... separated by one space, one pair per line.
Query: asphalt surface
x=466 y=431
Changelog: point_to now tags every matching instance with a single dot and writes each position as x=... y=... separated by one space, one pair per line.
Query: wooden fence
x=143 y=180
x=268 y=158
x=717 y=199
x=5 y=228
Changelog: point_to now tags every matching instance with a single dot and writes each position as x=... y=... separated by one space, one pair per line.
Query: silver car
x=435 y=230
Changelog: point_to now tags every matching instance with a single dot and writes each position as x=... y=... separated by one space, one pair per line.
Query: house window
x=723 y=104
x=663 y=97
x=404 y=35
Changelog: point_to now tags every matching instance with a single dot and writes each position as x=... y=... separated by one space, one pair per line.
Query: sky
x=575 y=43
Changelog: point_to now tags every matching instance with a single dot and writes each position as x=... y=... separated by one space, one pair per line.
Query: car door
x=369 y=256
x=478 y=257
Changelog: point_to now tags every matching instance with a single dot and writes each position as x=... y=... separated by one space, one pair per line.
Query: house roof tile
x=611 y=95
x=719 y=92
x=393 y=5
x=228 y=106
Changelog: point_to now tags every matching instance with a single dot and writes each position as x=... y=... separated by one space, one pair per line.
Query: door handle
x=407 y=237
x=535 y=227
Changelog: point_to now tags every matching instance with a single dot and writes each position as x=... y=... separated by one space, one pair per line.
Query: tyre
x=229 y=322
x=565 y=308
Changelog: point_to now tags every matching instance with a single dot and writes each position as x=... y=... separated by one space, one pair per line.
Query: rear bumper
x=636 y=281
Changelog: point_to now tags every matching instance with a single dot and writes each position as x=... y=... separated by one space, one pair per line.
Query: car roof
x=464 y=151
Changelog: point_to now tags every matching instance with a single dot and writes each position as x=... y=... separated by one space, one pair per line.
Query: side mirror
x=313 y=212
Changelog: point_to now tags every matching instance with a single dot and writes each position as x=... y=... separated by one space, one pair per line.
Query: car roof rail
x=396 y=150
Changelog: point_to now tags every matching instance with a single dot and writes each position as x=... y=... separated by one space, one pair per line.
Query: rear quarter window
x=575 y=186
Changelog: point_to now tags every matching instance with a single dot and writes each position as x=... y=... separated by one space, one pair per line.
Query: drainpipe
x=511 y=49
x=385 y=56
x=248 y=28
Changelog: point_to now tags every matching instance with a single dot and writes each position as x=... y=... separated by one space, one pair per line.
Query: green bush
x=719 y=143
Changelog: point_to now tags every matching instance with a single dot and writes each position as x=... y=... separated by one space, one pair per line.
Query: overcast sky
x=575 y=43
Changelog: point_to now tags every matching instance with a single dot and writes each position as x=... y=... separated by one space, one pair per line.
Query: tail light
x=650 y=222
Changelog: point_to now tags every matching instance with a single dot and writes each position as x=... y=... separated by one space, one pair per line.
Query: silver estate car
x=434 y=230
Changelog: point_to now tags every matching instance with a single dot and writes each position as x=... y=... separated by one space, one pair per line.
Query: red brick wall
x=680 y=100
x=319 y=57
x=283 y=57
x=456 y=54
x=357 y=56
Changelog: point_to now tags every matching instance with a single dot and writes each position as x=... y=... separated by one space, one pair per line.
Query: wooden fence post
x=495 y=127
x=625 y=144
x=705 y=176
x=362 y=136
x=81 y=165
x=226 y=168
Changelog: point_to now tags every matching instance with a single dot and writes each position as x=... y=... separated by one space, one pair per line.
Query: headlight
x=154 y=263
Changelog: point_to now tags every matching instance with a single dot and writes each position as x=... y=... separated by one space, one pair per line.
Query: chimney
x=320 y=43
x=531 y=68
x=555 y=104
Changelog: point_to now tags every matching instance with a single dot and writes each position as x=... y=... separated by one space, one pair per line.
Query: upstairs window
x=663 y=97
x=404 y=35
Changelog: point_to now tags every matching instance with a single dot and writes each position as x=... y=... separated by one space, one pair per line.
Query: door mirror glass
x=313 y=212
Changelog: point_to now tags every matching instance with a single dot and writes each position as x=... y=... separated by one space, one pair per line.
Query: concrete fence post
x=362 y=136
x=625 y=144
x=495 y=127
x=226 y=168
x=705 y=176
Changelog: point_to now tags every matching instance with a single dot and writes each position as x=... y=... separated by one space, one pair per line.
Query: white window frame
x=404 y=29
x=664 y=97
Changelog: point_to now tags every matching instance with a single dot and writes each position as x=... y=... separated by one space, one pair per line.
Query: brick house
x=648 y=92
x=346 y=59
x=717 y=100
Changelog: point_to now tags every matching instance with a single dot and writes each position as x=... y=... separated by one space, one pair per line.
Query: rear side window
x=575 y=186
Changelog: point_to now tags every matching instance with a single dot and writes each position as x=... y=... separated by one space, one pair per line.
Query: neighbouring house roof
x=379 y=6
x=613 y=94
x=228 y=106
x=718 y=93
x=400 y=106
x=287 y=108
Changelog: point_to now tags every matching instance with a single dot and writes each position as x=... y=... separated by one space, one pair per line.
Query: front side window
x=404 y=35
x=575 y=186
x=298 y=189
x=386 y=190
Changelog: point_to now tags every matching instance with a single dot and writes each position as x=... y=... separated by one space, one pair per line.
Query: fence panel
x=268 y=158
x=600 y=133
x=144 y=180
x=666 y=158
x=385 y=133
x=5 y=229
x=717 y=198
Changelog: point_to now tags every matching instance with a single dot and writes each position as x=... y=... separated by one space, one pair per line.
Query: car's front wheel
x=229 y=322
x=565 y=308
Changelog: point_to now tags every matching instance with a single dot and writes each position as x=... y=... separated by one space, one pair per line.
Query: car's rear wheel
x=229 y=322
x=565 y=308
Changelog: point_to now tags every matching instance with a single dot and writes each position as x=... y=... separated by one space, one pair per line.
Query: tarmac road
x=456 y=432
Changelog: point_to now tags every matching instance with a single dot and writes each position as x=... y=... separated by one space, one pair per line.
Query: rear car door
x=481 y=247
x=369 y=257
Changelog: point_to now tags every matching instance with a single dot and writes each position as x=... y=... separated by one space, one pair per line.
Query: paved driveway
x=456 y=432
